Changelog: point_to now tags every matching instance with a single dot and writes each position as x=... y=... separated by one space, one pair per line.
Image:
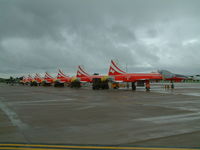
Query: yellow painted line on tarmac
x=22 y=148
x=57 y=147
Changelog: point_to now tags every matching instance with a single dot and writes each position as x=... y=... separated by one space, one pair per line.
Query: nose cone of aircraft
x=181 y=76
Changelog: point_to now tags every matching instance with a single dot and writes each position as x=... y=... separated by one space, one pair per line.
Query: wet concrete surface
x=115 y=117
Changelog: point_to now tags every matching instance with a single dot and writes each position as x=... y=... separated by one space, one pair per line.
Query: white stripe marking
x=115 y=69
x=83 y=73
x=42 y=101
x=12 y=115
x=173 y=118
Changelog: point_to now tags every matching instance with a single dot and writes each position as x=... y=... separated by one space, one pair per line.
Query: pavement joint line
x=60 y=147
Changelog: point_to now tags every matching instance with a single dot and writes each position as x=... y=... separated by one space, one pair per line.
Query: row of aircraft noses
x=115 y=73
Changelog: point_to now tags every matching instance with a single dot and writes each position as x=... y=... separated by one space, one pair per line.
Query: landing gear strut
x=133 y=86
x=172 y=85
x=148 y=85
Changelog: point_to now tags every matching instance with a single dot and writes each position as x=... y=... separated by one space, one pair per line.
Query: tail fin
x=61 y=74
x=24 y=79
x=114 y=69
x=37 y=76
x=30 y=78
x=81 y=72
x=47 y=75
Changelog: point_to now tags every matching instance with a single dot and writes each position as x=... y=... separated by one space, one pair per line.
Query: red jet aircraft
x=119 y=75
x=37 y=80
x=48 y=79
x=98 y=82
x=83 y=76
x=24 y=80
x=27 y=80
x=62 y=78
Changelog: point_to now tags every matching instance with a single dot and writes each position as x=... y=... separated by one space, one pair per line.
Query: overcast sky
x=145 y=35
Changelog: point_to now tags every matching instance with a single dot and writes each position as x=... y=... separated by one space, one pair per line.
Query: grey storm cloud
x=44 y=35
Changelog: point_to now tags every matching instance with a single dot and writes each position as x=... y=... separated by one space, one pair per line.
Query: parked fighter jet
x=82 y=75
x=119 y=75
x=98 y=81
x=37 y=80
x=85 y=77
x=24 y=80
x=61 y=79
x=48 y=79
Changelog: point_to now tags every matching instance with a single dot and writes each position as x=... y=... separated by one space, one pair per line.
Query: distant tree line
x=11 y=80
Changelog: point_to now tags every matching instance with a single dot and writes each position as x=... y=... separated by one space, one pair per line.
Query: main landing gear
x=133 y=86
x=148 y=85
